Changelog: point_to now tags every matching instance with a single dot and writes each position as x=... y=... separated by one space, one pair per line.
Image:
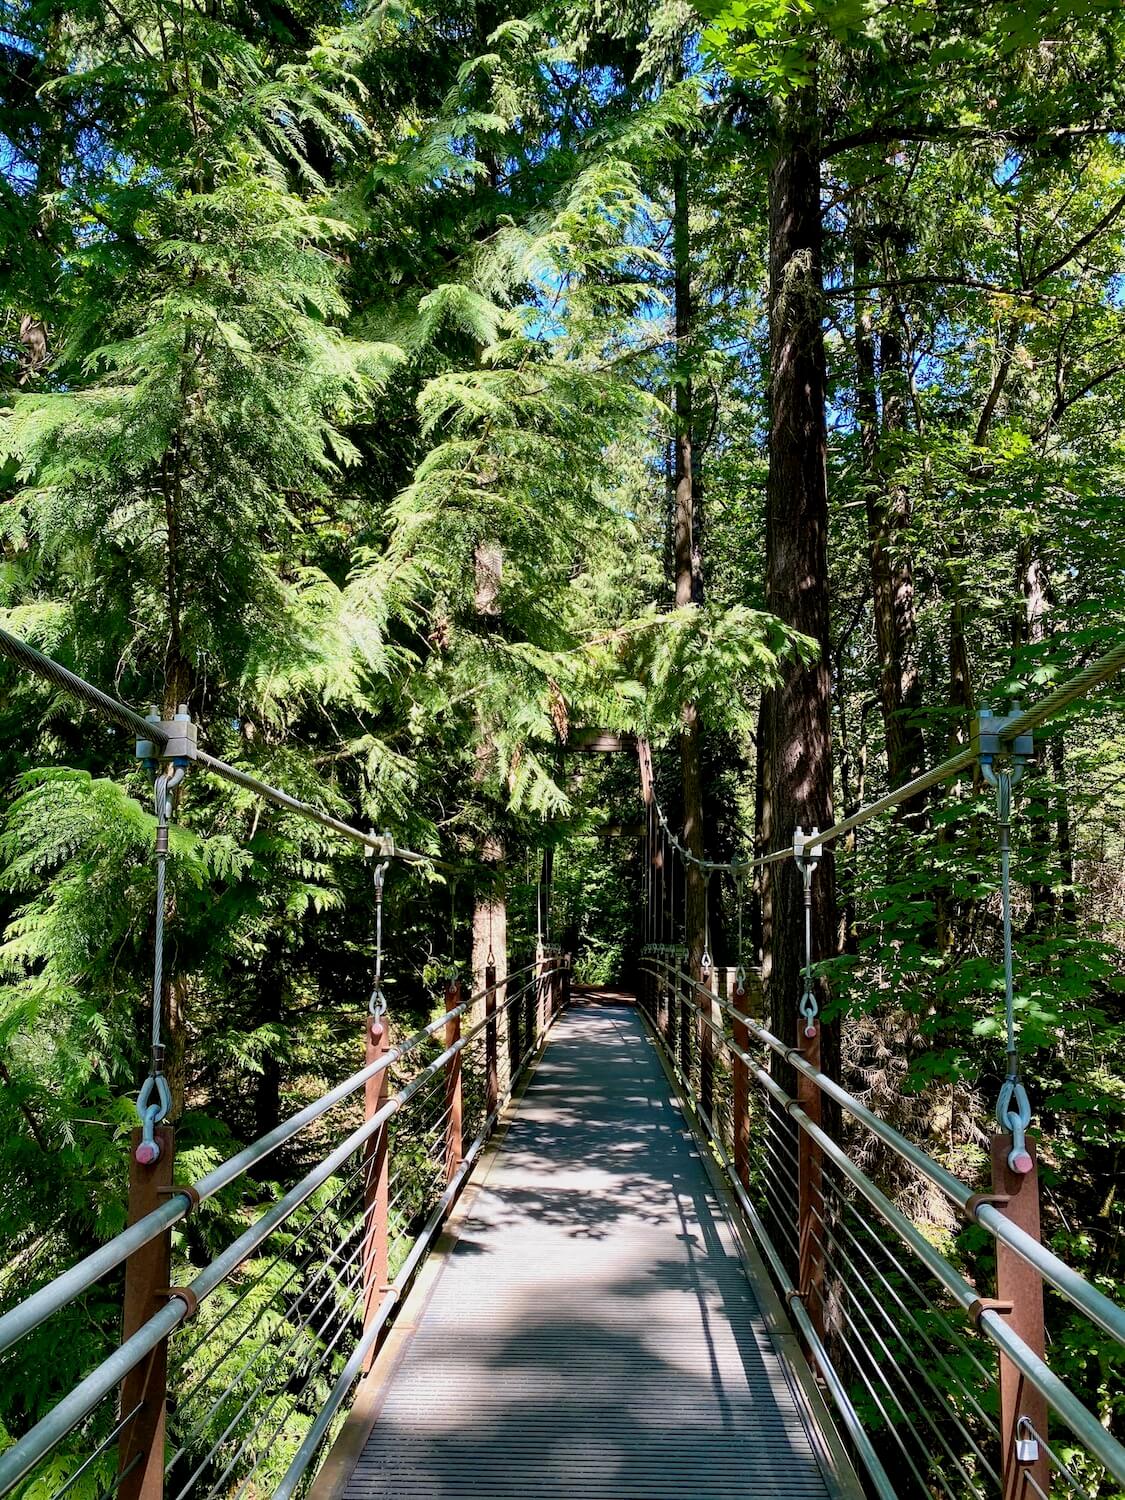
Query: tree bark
x=689 y=574
x=888 y=512
x=795 y=715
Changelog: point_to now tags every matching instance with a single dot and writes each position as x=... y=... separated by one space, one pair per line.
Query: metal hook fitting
x=1013 y=1114
x=807 y=860
x=150 y=1112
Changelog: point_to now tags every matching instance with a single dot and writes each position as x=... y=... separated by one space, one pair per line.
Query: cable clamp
x=181 y=737
x=806 y=858
x=989 y=745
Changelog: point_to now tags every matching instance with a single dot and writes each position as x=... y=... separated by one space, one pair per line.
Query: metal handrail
x=27 y=1315
x=1083 y=1423
x=19 y=1459
x=1099 y=1308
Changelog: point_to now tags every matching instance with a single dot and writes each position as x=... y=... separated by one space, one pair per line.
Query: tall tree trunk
x=490 y=909
x=888 y=511
x=689 y=580
x=795 y=715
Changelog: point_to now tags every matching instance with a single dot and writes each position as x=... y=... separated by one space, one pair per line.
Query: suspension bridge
x=570 y=1243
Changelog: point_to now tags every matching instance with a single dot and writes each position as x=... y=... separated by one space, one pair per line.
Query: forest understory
x=419 y=391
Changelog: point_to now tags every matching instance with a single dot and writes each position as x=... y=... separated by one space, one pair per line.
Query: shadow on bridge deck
x=592 y=1332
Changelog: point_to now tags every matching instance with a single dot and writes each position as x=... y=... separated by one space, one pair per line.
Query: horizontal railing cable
x=20 y=1320
x=1082 y=1423
x=18 y=1460
x=1099 y=1308
x=841 y=1399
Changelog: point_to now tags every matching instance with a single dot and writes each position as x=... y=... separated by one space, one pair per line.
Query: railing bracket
x=978 y=1200
x=986 y=1304
x=186 y=1296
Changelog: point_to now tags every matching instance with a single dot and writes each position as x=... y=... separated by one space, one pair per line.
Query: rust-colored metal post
x=376 y=1180
x=140 y=1448
x=706 y=1043
x=567 y=974
x=670 y=1022
x=687 y=1010
x=454 y=1141
x=1020 y=1285
x=530 y=1005
x=740 y=1088
x=491 y=1066
x=810 y=1194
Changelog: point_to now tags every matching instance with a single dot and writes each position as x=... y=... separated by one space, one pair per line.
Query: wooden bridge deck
x=593 y=1332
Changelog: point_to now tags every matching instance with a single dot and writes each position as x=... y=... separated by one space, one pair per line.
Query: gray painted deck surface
x=593 y=1333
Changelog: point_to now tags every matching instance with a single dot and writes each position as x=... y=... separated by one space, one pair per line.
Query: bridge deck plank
x=592 y=1334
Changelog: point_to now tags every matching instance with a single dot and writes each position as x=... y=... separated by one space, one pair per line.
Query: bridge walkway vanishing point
x=598 y=1322
x=592 y=1332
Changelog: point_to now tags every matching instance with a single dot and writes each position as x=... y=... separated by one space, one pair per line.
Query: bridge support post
x=1020 y=1285
x=491 y=1069
x=454 y=1141
x=376 y=1180
x=687 y=1006
x=531 y=1007
x=740 y=1087
x=706 y=1041
x=140 y=1448
x=810 y=1188
x=669 y=982
x=515 y=1012
x=567 y=975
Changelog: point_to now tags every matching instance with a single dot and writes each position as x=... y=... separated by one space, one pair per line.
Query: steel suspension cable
x=1023 y=722
x=49 y=670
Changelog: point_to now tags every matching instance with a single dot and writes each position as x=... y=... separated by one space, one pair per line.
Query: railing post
x=140 y=1448
x=535 y=1008
x=567 y=975
x=376 y=1179
x=687 y=1005
x=670 y=992
x=706 y=1043
x=454 y=1141
x=740 y=1087
x=810 y=1188
x=491 y=1069
x=515 y=1013
x=1020 y=1285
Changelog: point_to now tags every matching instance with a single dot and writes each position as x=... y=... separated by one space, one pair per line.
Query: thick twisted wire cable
x=54 y=672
